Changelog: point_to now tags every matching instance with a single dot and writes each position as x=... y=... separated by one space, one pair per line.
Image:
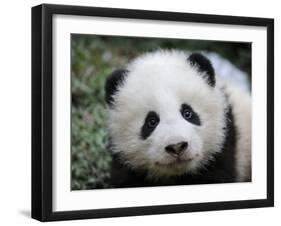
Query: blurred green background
x=93 y=58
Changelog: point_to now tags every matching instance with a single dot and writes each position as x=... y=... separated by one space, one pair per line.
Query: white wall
x=15 y=116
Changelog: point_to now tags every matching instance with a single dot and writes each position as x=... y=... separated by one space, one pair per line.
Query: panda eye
x=152 y=122
x=189 y=115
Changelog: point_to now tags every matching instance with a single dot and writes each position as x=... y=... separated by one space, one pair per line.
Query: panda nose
x=176 y=149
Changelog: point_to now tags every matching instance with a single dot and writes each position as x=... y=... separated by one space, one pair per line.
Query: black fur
x=203 y=64
x=112 y=84
x=220 y=170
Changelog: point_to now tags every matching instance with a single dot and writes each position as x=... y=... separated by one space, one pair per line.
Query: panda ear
x=112 y=83
x=203 y=65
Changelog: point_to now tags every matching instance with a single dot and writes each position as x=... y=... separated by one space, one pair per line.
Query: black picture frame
x=42 y=107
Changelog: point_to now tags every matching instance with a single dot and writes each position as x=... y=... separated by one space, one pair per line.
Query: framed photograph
x=145 y=112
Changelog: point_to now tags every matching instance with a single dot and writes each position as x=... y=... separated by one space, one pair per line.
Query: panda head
x=166 y=113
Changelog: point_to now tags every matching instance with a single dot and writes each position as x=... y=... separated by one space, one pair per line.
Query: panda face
x=164 y=114
x=175 y=134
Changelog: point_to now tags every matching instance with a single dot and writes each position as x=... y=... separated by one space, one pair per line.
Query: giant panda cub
x=172 y=121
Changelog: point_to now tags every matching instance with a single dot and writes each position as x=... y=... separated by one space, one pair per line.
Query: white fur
x=241 y=107
x=161 y=81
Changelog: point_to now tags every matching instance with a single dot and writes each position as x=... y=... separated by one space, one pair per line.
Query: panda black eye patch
x=189 y=115
x=150 y=123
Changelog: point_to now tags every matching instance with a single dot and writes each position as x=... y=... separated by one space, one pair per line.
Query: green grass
x=93 y=58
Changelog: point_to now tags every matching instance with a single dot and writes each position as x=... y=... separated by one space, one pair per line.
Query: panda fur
x=173 y=121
